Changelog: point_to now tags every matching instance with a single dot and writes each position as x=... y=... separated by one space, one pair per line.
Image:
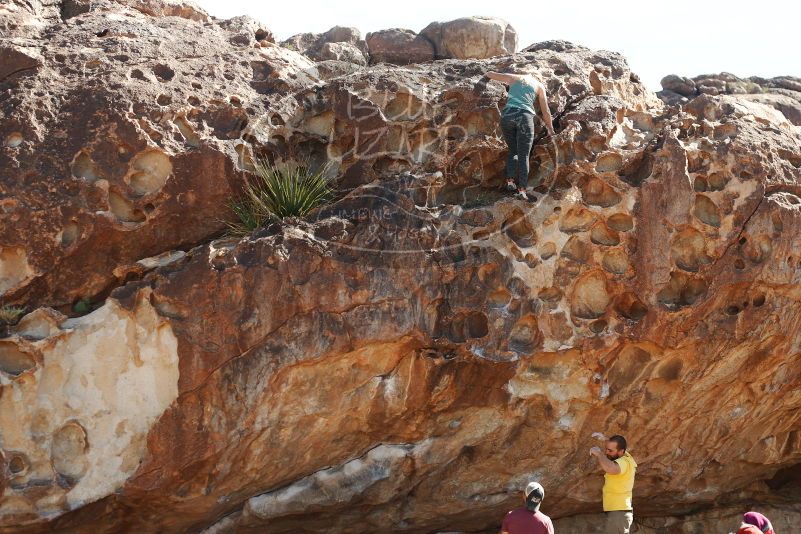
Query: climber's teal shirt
x=522 y=94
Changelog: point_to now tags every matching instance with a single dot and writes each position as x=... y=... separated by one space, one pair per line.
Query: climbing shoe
x=510 y=186
x=523 y=196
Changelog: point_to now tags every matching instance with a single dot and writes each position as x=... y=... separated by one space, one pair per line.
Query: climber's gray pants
x=618 y=522
x=518 y=129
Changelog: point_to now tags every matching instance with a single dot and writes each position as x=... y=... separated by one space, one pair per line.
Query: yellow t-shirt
x=618 y=488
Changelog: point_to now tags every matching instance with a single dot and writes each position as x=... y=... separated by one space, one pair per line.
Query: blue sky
x=658 y=38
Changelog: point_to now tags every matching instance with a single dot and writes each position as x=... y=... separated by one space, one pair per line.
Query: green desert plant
x=274 y=192
x=10 y=314
x=85 y=305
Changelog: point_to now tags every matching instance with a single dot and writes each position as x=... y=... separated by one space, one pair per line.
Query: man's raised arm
x=606 y=464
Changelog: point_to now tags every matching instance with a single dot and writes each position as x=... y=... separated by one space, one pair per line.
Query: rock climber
x=619 y=467
x=528 y=519
x=755 y=523
x=517 y=124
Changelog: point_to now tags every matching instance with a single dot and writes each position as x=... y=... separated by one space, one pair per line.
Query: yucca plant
x=275 y=192
x=10 y=314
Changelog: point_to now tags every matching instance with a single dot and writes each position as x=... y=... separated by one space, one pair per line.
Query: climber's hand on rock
x=599 y=436
x=595 y=451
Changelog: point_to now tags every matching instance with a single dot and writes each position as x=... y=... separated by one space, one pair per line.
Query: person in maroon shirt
x=528 y=520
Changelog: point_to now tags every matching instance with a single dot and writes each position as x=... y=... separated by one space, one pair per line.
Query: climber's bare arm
x=546 y=112
x=502 y=77
x=606 y=464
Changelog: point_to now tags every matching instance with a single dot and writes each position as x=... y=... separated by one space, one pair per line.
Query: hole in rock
x=630 y=307
x=149 y=171
x=598 y=326
x=638 y=169
x=627 y=367
x=577 y=250
x=466 y=326
x=681 y=290
x=84 y=167
x=621 y=222
x=548 y=250
x=589 y=297
x=18 y=463
x=14 y=361
x=707 y=211
x=69 y=234
x=519 y=229
x=778 y=225
x=615 y=261
x=596 y=192
x=123 y=209
x=577 y=219
x=14 y=139
x=525 y=335
x=192 y=139
x=787 y=478
x=499 y=298
x=609 y=162
x=550 y=294
x=688 y=250
x=717 y=181
x=601 y=234
x=68 y=450
x=163 y=72
x=759 y=249
x=700 y=185
x=670 y=370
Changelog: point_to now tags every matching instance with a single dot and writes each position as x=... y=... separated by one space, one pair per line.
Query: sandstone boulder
x=390 y=362
x=247 y=31
x=125 y=146
x=679 y=84
x=471 y=37
x=399 y=46
x=342 y=52
x=782 y=92
x=312 y=44
x=789 y=107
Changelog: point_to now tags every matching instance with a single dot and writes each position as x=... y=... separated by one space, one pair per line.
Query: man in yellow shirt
x=618 y=484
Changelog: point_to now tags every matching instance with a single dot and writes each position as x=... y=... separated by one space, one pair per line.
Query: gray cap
x=535 y=493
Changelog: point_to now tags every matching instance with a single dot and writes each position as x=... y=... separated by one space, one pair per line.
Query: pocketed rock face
x=119 y=135
x=781 y=92
x=133 y=144
x=408 y=357
x=75 y=419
